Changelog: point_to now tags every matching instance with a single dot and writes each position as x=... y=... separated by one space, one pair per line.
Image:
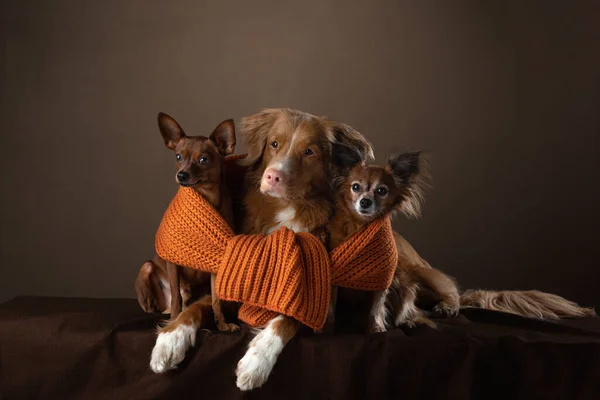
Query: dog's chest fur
x=287 y=217
x=266 y=214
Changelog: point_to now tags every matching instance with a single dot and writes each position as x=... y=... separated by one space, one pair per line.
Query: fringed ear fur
x=410 y=171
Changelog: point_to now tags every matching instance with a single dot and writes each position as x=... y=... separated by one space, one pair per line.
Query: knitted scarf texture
x=281 y=273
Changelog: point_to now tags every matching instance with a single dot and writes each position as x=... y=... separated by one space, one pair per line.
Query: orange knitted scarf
x=283 y=273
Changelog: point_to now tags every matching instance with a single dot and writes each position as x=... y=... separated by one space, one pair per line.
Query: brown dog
x=199 y=166
x=291 y=167
x=370 y=192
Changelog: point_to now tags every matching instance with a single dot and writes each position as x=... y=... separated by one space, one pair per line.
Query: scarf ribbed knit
x=282 y=273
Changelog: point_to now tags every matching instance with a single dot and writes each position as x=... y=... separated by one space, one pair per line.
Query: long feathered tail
x=530 y=303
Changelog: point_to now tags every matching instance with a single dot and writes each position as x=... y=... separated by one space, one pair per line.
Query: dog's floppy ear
x=170 y=130
x=411 y=173
x=345 y=157
x=349 y=136
x=224 y=137
x=255 y=130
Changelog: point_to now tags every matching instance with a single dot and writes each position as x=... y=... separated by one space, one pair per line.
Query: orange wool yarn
x=282 y=273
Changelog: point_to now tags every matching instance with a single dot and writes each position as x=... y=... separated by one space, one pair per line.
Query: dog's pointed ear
x=255 y=130
x=411 y=173
x=345 y=157
x=170 y=130
x=349 y=136
x=404 y=166
x=224 y=137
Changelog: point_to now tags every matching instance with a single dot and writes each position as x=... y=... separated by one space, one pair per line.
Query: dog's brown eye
x=274 y=145
x=203 y=160
x=382 y=191
x=308 y=152
x=355 y=187
x=178 y=157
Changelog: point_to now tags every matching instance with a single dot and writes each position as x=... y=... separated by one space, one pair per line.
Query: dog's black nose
x=366 y=203
x=183 y=177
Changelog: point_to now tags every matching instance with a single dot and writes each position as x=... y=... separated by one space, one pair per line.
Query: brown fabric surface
x=57 y=348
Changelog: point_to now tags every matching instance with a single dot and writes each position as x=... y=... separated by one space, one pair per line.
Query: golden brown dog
x=291 y=166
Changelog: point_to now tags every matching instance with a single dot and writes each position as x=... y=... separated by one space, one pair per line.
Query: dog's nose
x=183 y=176
x=366 y=203
x=273 y=177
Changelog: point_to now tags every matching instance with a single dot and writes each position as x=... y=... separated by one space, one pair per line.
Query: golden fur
x=298 y=148
x=529 y=303
x=304 y=200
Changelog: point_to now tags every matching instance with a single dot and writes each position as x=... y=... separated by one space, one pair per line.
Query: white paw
x=170 y=348
x=254 y=368
x=253 y=371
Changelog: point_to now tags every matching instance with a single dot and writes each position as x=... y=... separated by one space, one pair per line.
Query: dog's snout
x=182 y=176
x=274 y=177
x=366 y=203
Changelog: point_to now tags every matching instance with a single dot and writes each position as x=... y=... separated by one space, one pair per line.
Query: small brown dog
x=162 y=285
x=366 y=193
x=370 y=192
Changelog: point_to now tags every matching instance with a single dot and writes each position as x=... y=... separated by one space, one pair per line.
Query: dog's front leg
x=377 y=313
x=220 y=321
x=254 y=368
x=173 y=277
x=175 y=339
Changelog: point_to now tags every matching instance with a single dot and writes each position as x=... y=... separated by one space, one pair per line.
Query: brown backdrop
x=505 y=96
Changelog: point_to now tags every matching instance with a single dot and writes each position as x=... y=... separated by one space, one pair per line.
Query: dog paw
x=227 y=327
x=147 y=301
x=446 y=310
x=407 y=324
x=376 y=328
x=254 y=368
x=148 y=305
x=252 y=372
x=170 y=348
x=417 y=320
